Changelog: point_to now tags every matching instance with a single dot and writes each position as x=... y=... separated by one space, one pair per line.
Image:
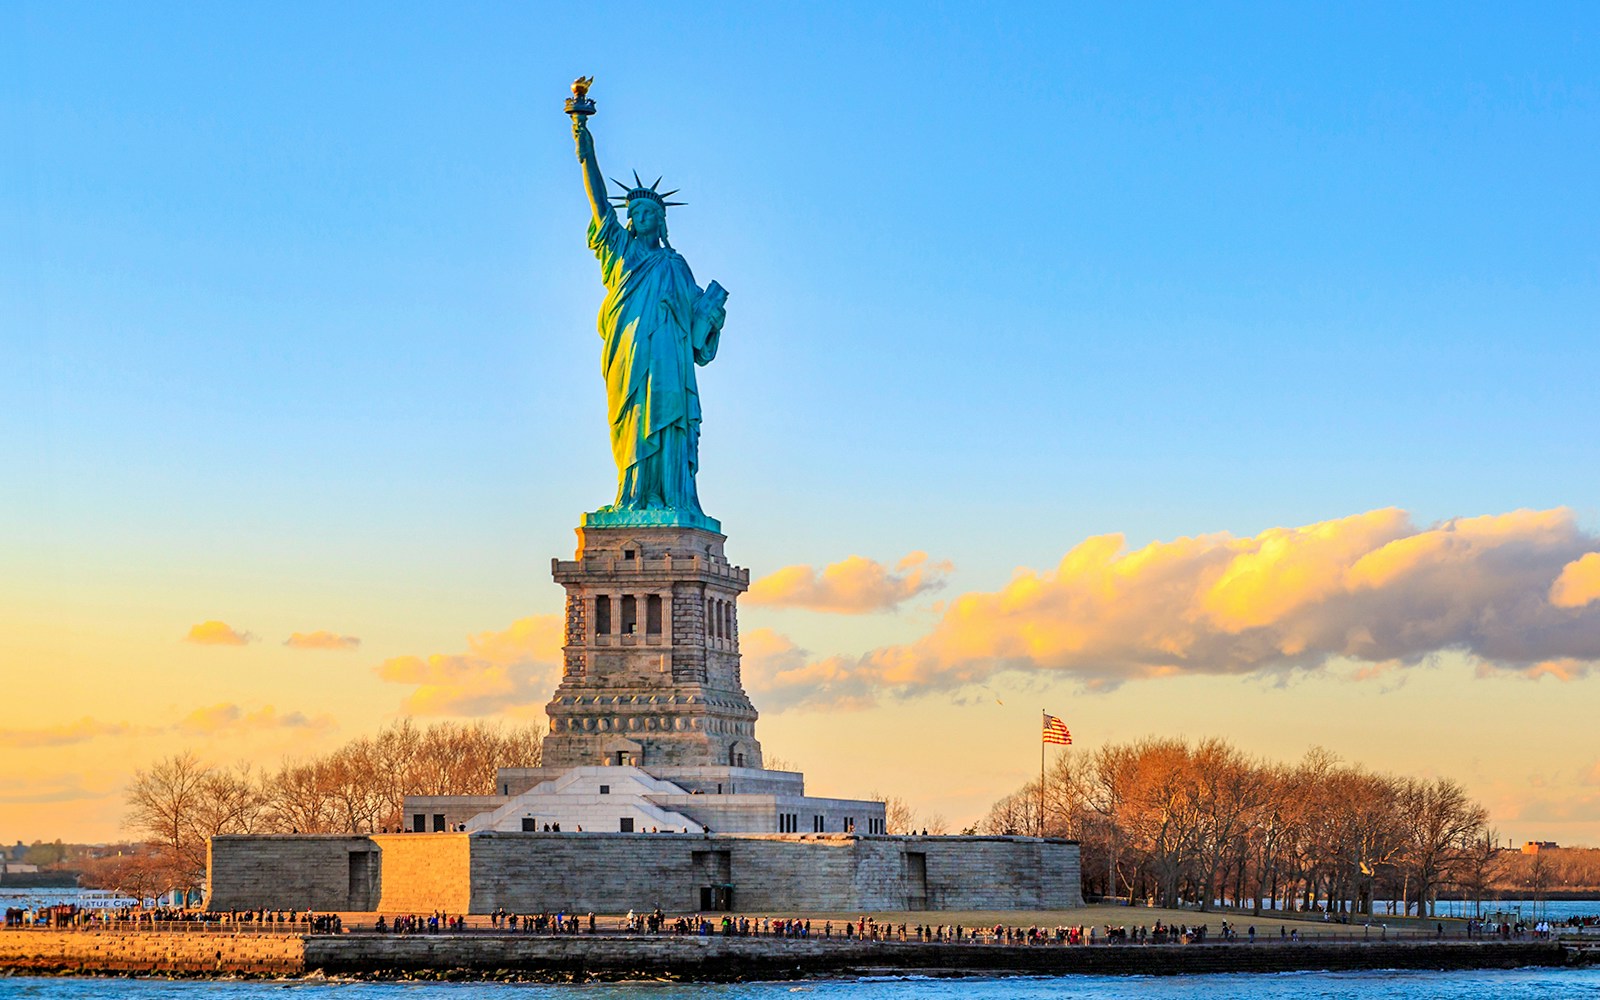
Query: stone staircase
x=576 y=800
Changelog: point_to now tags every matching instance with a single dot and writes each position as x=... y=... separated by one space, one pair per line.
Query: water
x=88 y=899
x=1520 y=984
x=1545 y=909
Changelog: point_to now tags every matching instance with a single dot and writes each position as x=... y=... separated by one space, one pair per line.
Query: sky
x=1189 y=370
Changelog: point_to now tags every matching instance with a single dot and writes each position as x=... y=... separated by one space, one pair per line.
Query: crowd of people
x=70 y=916
x=865 y=928
x=414 y=923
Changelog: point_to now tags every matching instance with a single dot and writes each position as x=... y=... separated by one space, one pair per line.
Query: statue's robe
x=648 y=358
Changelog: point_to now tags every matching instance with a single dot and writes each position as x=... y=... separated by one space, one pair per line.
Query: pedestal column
x=670 y=699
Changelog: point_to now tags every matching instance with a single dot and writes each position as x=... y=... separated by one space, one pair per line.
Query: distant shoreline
x=1522 y=896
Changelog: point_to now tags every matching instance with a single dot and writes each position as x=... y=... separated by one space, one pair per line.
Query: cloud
x=1372 y=590
x=1566 y=809
x=68 y=734
x=781 y=674
x=215 y=633
x=855 y=586
x=322 y=639
x=518 y=666
x=208 y=721
x=1579 y=583
x=228 y=717
x=47 y=789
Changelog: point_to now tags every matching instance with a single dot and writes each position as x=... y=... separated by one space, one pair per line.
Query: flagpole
x=1040 y=824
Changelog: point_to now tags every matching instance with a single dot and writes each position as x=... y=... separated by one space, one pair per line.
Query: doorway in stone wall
x=716 y=898
x=916 y=880
x=713 y=877
x=363 y=867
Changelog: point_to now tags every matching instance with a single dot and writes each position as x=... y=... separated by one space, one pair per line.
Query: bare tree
x=231 y=801
x=165 y=807
x=1481 y=867
x=901 y=818
x=1440 y=825
x=1177 y=821
x=898 y=816
x=179 y=803
x=1014 y=815
x=1228 y=795
x=139 y=874
x=304 y=798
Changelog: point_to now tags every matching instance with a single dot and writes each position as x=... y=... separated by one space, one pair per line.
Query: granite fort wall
x=420 y=873
x=884 y=873
x=612 y=872
x=298 y=872
x=970 y=873
x=606 y=873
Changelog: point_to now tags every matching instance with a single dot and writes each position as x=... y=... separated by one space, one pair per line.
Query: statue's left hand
x=710 y=310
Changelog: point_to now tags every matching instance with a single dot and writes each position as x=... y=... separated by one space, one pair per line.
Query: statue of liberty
x=655 y=325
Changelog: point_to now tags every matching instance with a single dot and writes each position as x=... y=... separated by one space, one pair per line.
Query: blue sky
x=298 y=319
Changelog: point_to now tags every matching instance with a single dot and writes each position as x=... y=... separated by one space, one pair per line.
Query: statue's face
x=646 y=218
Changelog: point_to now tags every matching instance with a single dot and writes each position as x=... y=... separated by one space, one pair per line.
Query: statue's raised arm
x=593 y=181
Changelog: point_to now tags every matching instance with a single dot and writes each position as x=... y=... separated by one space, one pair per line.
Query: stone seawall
x=702 y=958
x=176 y=953
x=724 y=959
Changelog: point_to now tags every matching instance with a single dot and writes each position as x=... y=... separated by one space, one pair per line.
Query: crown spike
x=640 y=192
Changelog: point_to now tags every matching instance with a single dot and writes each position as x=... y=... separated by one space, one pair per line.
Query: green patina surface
x=656 y=325
x=614 y=517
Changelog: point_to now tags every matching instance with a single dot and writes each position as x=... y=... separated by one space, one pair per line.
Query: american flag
x=1055 y=731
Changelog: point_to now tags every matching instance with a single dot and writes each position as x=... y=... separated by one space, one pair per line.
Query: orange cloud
x=71 y=733
x=228 y=717
x=1372 y=588
x=1579 y=583
x=48 y=789
x=322 y=639
x=215 y=633
x=781 y=674
x=854 y=586
x=516 y=667
x=210 y=720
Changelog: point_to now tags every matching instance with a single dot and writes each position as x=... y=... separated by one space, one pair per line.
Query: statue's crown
x=640 y=190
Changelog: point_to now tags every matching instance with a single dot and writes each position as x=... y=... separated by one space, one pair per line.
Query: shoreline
x=688 y=958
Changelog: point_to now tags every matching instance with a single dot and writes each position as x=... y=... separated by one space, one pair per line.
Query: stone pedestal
x=651 y=663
